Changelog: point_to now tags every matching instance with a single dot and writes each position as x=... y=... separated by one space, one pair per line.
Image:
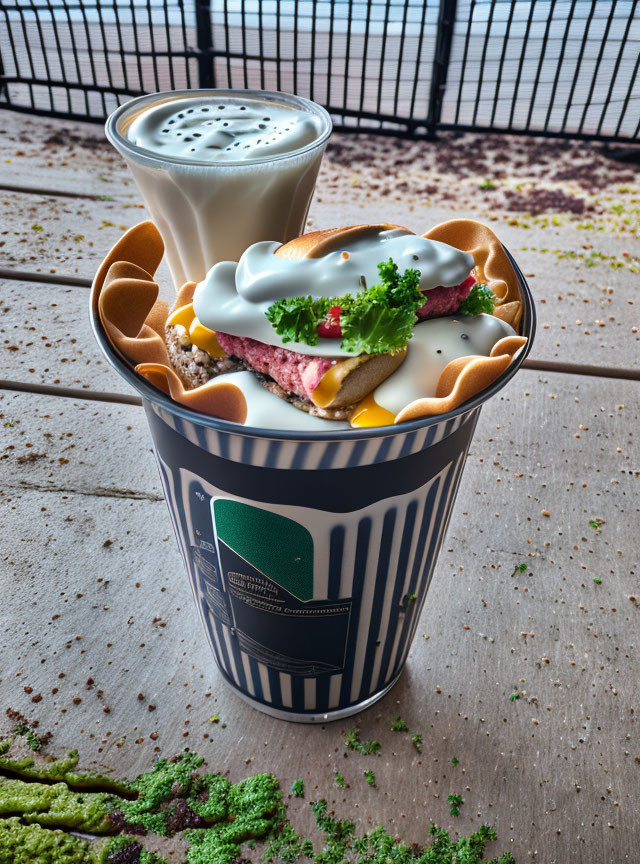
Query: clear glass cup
x=210 y=211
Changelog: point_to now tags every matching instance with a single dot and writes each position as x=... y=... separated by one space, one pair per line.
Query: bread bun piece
x=349 y=381
x=317 y=244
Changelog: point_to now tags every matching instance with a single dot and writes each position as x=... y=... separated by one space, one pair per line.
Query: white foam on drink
x=205 y=129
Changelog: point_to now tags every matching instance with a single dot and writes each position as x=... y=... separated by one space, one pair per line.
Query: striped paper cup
x=310 y=554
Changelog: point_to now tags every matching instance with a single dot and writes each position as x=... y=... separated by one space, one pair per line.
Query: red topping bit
x=469 y=282
x=330 y=328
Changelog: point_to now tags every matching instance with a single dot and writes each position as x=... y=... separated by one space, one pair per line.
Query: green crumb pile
x=28 y=844
x=210 y=817
x=127 y=850
x=287 y=846
x=416 y=739
x=343 y=846
x=297 y=790
x=55 y=805
x=174 y=797
x=399 y=725
x=353 y=742
x=456 y=803
x=60 y=770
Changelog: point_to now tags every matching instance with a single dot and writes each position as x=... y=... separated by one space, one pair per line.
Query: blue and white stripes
x=372 y=563
x=308 y=455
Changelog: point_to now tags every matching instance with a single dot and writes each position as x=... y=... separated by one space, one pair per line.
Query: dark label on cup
x=205 y=561
x=267 y=563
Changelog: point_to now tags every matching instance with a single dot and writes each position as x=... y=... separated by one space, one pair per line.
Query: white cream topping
x=223 y=129
x=234 y=298
x=435 y=343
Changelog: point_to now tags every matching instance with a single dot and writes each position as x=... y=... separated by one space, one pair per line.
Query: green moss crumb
x=399 y=725
x=354 y=742
x=416 y=738
x=297 y=789
x=370 y=777
x=456 y=803
x=118 y=844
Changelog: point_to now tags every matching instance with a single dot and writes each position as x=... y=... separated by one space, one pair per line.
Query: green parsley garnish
x=370 y=777
x=340 y=780
x=519 y=568
x=417 y=741
x=298 y=789
x=480 y=299
x=399 y=725
x=377 y=320
x=597 y=580
x=596 y=523
x=455 y=761
x=456 y=803
x=515 y=696
x=487 y=186
x=296 y=319
x=353 y=742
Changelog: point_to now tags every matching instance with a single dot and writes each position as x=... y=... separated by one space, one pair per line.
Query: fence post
x=206 y=76
x=440 y=67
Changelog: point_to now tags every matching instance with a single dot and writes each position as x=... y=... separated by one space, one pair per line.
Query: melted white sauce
x=223 y=129
x=234 y=298
x=436 y=343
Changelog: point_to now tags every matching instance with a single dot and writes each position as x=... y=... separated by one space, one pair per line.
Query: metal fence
x=412 y=67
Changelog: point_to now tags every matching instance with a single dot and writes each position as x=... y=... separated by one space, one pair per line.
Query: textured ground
x=529 y=679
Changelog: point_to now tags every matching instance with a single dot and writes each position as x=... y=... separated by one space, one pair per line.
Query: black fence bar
x=206 y=75
x=562 y=68
x=444 y=37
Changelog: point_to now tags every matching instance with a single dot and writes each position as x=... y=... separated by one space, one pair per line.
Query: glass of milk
x=221 y=169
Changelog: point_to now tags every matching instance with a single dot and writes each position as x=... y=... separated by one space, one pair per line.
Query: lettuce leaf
x=480 y=299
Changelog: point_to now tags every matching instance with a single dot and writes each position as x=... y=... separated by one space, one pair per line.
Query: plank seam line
x=53 y=193
x=98 y=492
x=531 y=363
x=47 y=278
x=69 y=392
x=124 y=399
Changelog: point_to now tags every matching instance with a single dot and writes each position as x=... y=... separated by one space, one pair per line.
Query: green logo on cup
x=278 y=547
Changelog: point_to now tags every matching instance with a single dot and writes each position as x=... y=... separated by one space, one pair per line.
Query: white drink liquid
x=220 y=170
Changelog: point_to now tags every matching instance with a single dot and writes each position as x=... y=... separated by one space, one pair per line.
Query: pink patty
x=295 y=373
x=445 y=301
